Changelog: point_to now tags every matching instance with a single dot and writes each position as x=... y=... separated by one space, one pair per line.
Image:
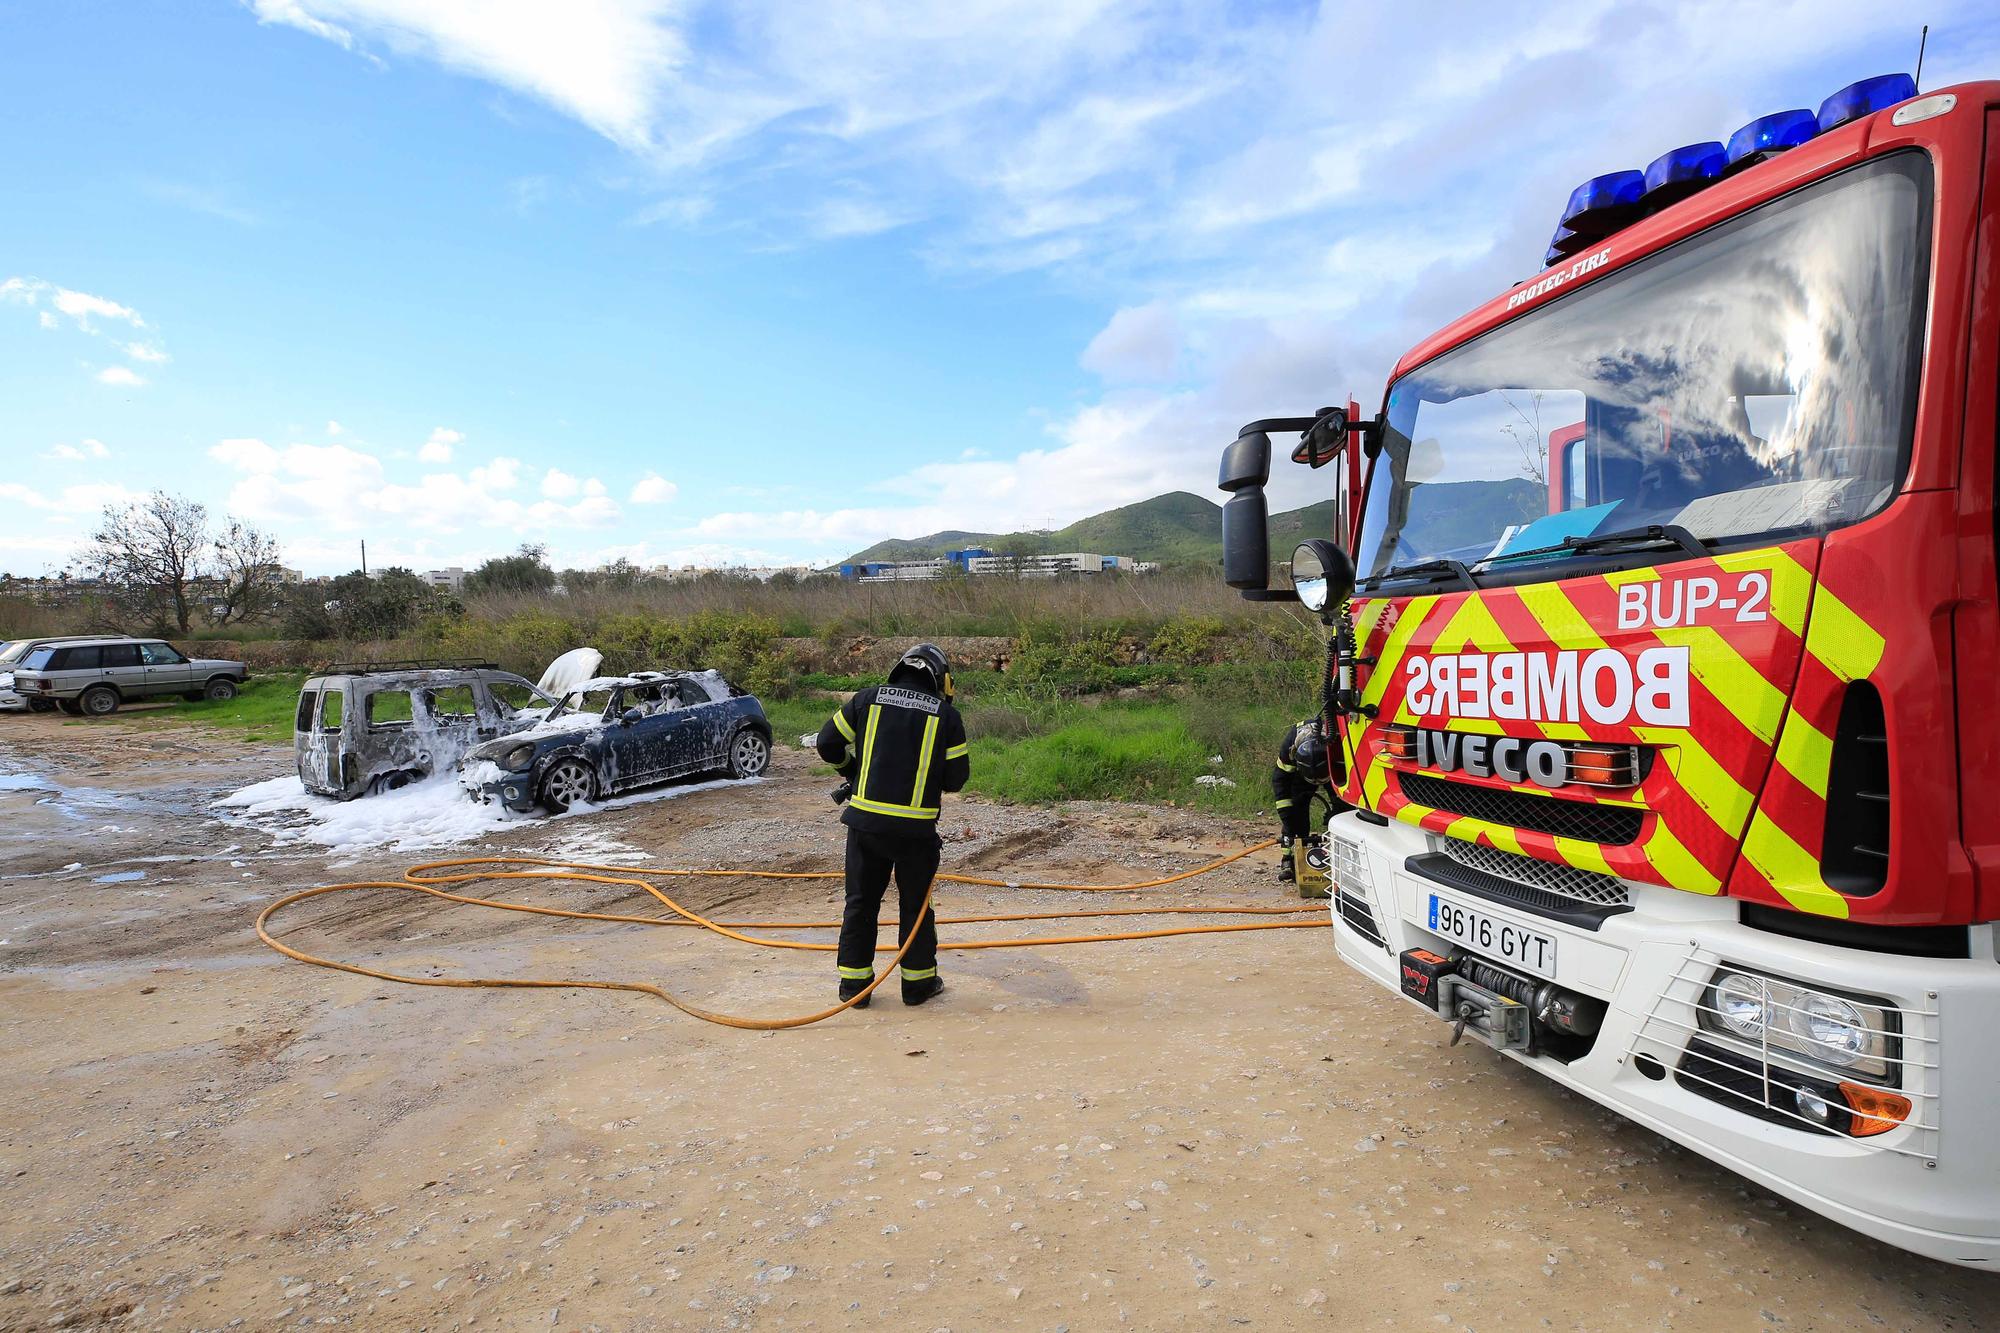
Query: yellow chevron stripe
x=1847 y=645
x=1710 y=785
x=1671 y=858
x=1807 y=753
x=1717 y=664
x=1788 y=868
x=1583 y=855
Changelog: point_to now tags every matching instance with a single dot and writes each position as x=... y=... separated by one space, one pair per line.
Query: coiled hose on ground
x=429 y=878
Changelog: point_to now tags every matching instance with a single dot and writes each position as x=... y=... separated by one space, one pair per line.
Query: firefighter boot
x=849 y=988
x=916 y=992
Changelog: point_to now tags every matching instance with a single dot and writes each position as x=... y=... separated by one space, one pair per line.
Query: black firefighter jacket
x=902 y=749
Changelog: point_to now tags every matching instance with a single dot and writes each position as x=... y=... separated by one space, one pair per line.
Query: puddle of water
x=120 y=877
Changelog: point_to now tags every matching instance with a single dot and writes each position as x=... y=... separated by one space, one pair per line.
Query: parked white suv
x=93 y=676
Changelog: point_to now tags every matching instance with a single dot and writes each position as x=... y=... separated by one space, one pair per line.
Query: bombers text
x=1562 y=685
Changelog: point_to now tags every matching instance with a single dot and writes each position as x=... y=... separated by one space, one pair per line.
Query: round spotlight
x=1742 y=1004
x=1812 y=1106
x=1834 y=1027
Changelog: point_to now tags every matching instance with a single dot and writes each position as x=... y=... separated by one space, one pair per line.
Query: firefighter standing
x=900 y=746
x=1300 y=772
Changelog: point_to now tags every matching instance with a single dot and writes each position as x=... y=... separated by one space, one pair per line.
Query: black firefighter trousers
x=871 y=859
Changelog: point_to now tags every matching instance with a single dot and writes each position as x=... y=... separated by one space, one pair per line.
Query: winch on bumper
x=1812 y=1068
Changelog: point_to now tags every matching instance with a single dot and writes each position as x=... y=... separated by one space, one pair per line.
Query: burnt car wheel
x=569 y=782
x=70 y=706
x=749 y=754
x=220 y=688
x=98 y=701
x=395 y=781
x=41 y=705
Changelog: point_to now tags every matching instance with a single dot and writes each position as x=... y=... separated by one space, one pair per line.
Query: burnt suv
x=92 y=677
x=617 y=734
x=366 y=728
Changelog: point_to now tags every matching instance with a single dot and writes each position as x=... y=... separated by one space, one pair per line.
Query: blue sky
x=731 y=282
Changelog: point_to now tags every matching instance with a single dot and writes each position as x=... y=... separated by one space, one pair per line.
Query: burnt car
x=372 y=727
x=616 y=734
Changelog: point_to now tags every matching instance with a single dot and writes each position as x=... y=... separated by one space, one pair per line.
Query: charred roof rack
x=408 y=664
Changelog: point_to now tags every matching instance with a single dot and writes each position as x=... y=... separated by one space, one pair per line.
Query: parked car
x=10 y=657
x=93 y=676
x=620 y=733
x=364 y=729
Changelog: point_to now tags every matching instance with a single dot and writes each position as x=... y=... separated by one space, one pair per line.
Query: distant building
x=980 y=561
x=446 y=580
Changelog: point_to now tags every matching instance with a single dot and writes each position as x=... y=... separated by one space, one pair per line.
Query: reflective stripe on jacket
x=902 y=749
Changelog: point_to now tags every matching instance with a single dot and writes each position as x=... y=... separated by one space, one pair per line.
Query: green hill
x=1183 y=528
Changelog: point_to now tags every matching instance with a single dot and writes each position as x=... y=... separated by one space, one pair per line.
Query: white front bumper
x=1933 y=1189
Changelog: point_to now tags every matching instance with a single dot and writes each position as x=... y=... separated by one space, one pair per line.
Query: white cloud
x=81 y=452
x=335 y=488
x=437 y=449
x=82 y=499
x=122 y=376
x=653 y=489
x=559 y=485
x=151 y=353
x=80 y=307
x=1140 y=343
x=334 y=428
x=601 y=61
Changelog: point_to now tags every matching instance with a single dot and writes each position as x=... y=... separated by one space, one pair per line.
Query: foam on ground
x=424 y=815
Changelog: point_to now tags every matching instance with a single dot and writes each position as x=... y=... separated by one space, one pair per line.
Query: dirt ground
x=1212 y=1132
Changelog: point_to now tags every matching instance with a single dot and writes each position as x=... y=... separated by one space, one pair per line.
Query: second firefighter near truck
x=1297 y=776
x=900 y=747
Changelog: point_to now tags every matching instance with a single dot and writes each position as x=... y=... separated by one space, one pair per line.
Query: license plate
x=1502 y=941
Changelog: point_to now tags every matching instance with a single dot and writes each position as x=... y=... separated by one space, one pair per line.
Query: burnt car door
x=642 y=733
x=455 y=722
x=700 y=728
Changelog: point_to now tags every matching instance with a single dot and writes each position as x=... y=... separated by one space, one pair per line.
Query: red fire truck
x=1663 y=641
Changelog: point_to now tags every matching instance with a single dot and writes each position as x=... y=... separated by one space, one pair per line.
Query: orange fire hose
x=426 y=878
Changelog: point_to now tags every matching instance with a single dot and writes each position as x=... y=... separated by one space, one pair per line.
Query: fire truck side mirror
x=1246 y=549
x=1246 y=545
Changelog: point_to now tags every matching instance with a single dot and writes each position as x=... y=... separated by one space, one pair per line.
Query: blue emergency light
x=1604 y=204
x=1675 y=175
x=1611 y=198
x=1767 y=135
x=1863 y=98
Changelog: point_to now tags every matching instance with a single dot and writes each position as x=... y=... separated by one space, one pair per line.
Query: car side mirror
x=629 y=716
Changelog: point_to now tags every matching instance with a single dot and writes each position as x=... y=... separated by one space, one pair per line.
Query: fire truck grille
x=1585 y=886
x=1587 y=821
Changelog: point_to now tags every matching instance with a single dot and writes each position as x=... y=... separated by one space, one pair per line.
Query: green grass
x=261 y=713
x=1046 y=743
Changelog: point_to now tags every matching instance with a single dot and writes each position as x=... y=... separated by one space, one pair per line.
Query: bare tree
x=157 y=562
x=247 y=575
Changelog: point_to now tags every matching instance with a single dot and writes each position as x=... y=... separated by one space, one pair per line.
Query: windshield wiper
x=1653 y=534
x=1436 y=569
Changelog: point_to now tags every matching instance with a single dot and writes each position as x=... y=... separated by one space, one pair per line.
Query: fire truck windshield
x=1758 y=379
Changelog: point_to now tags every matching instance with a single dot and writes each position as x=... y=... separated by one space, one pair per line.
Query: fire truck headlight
x=1836 y=1028
x=1843 y=1032
x=1741 y=1004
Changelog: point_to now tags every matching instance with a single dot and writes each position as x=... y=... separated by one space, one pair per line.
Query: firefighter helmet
x=928 y=660
x=1309 y=754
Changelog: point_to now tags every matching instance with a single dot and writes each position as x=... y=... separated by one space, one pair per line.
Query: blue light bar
x=1676 y=175
x=1604 y=203
x=1865 y=97
x=1770 y=134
